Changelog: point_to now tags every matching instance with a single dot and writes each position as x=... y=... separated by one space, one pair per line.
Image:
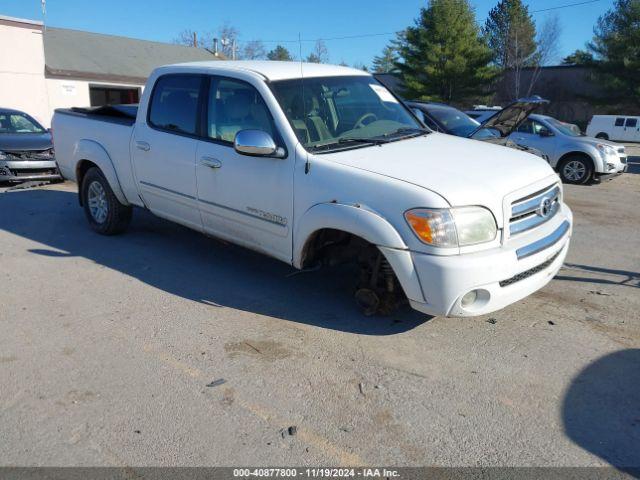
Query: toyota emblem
x=545 y=207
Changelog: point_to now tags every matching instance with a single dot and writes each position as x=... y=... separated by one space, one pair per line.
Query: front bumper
x=501 y=276
x=28 y=170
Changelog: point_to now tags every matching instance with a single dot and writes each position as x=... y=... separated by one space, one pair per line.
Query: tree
x=280 y=53
x=387 y=60
x=547 y=47
x=320 y=53
x=511 y=34
x=187 y=37
x=444 y=57
x=253 y=50
x=361 y=66
x=228 y=36
x=616 y=48
x=579 y=57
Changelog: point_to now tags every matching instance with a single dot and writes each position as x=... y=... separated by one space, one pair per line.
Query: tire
x=576 y=169
x=104 y=212
x=602 y=136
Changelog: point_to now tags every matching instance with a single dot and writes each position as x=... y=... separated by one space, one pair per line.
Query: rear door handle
x=144 y=146
x=210 y=162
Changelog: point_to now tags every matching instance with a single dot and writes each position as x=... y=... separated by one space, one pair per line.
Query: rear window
x=619 y=122
x=174 y=105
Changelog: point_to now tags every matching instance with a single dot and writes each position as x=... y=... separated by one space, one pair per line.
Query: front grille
x=32 y=172
x=32 y=155
x=530 y=272
x=534 y=210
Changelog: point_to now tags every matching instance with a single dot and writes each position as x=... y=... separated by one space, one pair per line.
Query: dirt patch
x=9 y=359
x=264 y=349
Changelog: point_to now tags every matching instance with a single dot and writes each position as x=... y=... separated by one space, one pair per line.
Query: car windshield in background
x=564 y=128
x=18 y=123
x=344 y=112
x=454 y=121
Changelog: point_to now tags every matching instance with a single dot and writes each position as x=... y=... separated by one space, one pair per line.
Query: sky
x=276 y=21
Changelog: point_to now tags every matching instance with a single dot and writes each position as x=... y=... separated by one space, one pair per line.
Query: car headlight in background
x=452 y=227
x=606 y=151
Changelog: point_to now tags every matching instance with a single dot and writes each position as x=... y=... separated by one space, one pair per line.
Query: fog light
x=469 y=299
x=610 y=166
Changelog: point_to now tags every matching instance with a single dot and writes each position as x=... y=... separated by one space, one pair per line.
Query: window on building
x=105 y=95
x=174 y=105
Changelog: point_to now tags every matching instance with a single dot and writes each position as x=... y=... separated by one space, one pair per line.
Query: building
x=42 y=69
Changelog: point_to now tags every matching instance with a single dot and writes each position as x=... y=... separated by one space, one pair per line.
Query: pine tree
x=616 y=46
x=280 y=53
x=386 y=62
x=444 y=56
x=511 y=35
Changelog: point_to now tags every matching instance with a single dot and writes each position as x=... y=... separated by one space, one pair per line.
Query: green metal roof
x=94 y=56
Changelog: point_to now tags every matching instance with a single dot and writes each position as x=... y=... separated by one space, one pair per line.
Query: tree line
x=446 y=55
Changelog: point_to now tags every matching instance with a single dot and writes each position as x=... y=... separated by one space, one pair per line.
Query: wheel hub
x=97 y=201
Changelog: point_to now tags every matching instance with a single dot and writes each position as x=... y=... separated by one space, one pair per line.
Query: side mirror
x=419 y=113
x=545 y=133
x=256 y=143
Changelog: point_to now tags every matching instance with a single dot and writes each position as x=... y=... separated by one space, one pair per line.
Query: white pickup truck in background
x=320 y=165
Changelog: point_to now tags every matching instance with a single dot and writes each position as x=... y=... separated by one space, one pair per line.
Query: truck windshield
x=329 y=113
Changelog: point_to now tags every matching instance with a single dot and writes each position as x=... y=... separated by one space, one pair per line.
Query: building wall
x=66 y=93
x=22 y=82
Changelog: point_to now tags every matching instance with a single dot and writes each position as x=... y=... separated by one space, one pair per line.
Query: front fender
x=589 y=151
x=95 y=153
x=348 y=218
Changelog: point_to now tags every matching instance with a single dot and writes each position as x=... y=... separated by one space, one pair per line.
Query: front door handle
x=210 y=162
x=144 y=146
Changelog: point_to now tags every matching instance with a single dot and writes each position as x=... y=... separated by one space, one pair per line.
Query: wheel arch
x=89 y=153
x=578 y=153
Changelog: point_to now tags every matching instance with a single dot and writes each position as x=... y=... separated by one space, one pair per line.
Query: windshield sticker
x=383 y=93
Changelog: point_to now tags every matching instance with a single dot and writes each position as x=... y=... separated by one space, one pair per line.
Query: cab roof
x=275 y=70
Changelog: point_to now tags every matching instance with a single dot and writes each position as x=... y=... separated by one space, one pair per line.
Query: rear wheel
x=602 y=136
x=576 y=169
x=105 y=213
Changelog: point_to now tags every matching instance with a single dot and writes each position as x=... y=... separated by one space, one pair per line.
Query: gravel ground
x=163 y=347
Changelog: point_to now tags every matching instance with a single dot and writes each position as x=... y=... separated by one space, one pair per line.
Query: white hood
x=463 y=171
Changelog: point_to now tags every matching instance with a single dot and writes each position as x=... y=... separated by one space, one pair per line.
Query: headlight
x=452 y=227
x=606 y=150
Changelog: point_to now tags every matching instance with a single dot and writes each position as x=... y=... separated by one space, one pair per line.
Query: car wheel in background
x=105 y=213
x=602 y=136
x=576 y=169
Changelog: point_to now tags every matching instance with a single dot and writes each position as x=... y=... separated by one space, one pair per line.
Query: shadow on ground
x=615 y=277
x=601 y=410
x=187 y=264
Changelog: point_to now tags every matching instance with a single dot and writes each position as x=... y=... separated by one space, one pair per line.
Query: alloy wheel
x=97 y=201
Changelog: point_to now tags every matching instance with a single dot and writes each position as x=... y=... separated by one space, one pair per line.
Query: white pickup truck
x=318 y=165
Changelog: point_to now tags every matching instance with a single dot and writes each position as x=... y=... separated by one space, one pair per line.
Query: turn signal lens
x=433 y=227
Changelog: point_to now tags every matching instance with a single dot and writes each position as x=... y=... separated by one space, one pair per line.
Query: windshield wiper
x=408 y=131
x=370 y=141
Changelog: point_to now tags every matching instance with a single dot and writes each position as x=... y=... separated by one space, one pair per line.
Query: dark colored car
x=446 y=119
x=26 y=149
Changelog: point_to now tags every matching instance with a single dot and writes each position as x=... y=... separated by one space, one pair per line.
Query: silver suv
x=577 y=158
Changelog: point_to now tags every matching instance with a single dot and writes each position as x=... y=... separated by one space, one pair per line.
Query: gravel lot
x=109 y=348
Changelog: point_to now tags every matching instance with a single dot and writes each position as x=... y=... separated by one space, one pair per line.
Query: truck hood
x=462 y=171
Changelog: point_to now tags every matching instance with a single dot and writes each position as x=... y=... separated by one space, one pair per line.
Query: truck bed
x=122 y=114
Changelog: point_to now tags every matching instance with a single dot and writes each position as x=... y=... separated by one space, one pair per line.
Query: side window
x=235 y=105
x=538 y=127
x=174 y=105
x=619 y=122
x=526 y=127
x=632 y=122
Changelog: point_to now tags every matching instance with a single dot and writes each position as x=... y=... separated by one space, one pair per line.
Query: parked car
x=338 y=172
x=622 y=128
x=26 y=149
x=577 y=158
x=501 y=123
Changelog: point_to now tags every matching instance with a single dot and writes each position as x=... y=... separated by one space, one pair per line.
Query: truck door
x=164 y=149
x=246 y=199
